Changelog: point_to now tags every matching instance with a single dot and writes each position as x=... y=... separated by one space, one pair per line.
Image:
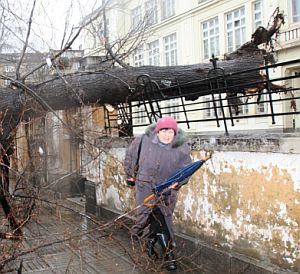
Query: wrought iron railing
x=222 y=102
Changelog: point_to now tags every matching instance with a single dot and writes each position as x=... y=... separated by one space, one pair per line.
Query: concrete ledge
x=255 y=142
x=281 y=143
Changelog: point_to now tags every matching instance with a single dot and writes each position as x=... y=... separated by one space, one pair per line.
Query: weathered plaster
x=240 y=196
x=112 y=190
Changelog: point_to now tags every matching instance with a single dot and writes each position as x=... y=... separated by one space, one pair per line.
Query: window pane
x=151 y=12
x=211 y=37
x=170 y=46
x=136 y=18
x=154 y=59
x=168 y=8
x=236 y=29
x=296 y=10
x=257 y=7
x=139 y=57
x=172 y=108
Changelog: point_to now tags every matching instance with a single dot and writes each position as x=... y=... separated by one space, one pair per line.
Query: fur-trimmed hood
x=180 y=137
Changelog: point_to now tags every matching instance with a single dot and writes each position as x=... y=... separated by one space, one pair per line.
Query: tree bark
x=119 y=85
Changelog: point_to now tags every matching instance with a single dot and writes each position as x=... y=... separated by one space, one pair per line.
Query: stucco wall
x=245 y=199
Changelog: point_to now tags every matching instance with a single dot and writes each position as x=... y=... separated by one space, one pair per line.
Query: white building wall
x=187 y=24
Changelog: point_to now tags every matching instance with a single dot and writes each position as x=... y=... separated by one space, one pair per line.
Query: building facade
x=173 y=32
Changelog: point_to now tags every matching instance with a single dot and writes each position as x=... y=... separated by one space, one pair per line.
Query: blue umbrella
x=178 y=177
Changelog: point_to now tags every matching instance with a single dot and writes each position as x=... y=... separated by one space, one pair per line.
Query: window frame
x=209 y=105
x=262 y=105
x=207 y=53
x=151 y=12
x=136 y=18
x=170 y=49
x=257 y=22
x=167 y=9
x=235 y=33
x=172 y=108
x=140 y=118
x=295 y=14
x=154 y=53
x=139 y=57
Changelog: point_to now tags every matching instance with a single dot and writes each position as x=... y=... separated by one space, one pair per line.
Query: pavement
x=63 y=239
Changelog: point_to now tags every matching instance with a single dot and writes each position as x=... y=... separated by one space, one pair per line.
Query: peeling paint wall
x=242 y=201
x=247 y=202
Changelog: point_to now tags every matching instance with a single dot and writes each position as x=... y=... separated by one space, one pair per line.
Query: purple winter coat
x=156 y=164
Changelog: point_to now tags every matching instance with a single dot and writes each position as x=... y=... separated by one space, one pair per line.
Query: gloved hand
x=130 y=182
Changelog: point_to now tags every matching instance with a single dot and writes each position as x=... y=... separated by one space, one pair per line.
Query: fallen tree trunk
x=119 y=85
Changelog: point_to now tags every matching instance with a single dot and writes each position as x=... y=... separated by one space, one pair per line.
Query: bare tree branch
x=26 y=42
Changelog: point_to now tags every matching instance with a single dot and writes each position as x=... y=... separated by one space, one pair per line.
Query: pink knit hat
x=166 y=122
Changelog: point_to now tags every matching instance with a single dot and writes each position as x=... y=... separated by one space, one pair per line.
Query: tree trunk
x=119 y=85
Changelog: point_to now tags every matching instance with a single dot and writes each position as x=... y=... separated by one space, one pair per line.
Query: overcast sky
x=63 y=14
x=51 y=17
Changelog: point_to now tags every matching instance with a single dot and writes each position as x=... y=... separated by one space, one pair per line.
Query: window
x=141 y=117
x=243 y=108
x=151 y=12
x=172 y=108
x=7 y=83
x=136 y=18
x=76 y=66
x=257 y=7
x=263 y=104
x=9 y=68
x=170 y=50
x=138 y=57
x=209 y=107
x=168 y=8
x=154 y=53
x=296 y=11
x=210 y=34
x=236 y=29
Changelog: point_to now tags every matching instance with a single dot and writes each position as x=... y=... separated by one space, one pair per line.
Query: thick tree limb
x=119 y=85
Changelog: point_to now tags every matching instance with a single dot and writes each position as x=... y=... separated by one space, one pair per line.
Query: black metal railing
x=222 y=102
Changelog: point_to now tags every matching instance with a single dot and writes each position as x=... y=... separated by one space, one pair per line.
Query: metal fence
x=223 y=103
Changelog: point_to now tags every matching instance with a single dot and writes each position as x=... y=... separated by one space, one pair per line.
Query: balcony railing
x=290 y=35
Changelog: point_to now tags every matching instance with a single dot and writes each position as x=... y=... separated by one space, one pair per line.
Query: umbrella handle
x=150 y=197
